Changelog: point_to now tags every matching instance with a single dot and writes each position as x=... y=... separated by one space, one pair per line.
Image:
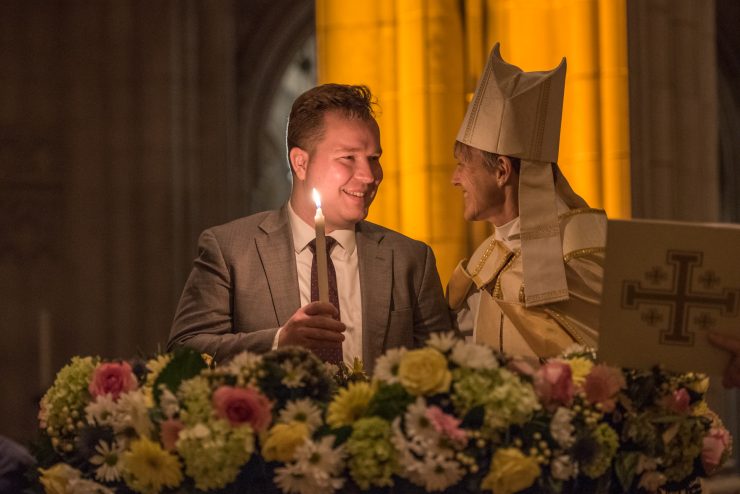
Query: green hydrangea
x=683 y=448
x=607 y=442
x=373 y=459
x=62 y=407
x=195 y=398
x=506 y=397
x=215 y=452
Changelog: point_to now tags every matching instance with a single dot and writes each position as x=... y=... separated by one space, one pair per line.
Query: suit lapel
x=376 y=279
x=277 y=254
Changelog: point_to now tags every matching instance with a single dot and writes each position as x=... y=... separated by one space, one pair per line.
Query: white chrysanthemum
x=303 y=410
x=168 y=402
x=291 y=479
x=473 y=356
x=108 y=461
x=418 y=425
x=320 y=459
x=316 y=469
x=244 y=363
x=132 y=413
x=386 y=367
x=563 y=467
x=101 y=411
x=561 y=427
x=294 y=375
x=439 y=472
x=442 y=341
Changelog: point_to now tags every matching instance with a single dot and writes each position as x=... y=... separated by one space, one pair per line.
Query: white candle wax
x=322 y=271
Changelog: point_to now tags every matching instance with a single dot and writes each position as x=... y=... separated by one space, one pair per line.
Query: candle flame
x=316 y=198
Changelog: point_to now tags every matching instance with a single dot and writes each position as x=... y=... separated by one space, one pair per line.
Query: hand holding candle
x=322 y=271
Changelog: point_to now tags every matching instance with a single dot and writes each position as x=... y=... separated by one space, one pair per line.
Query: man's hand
x=312 y=326
x=732 y=345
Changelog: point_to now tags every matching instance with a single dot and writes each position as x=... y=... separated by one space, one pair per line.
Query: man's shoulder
x=246 y=226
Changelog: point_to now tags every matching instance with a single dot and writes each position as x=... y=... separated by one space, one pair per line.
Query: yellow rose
x=511 y=471
x=424 y=371
x=283 y=439
x=56 y=479
x=700 y=385
x=580 y=368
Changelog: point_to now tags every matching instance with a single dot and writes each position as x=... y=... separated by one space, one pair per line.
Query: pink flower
x=114 y=378
x=520 y=366
x=602 y=385
x=553 y=383
x=243 y=405
x=170 y=430
x=678 y=402
x=714 y=445
x=447 y=425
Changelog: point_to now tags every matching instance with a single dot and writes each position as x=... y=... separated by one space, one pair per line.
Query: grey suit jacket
x=244 y=286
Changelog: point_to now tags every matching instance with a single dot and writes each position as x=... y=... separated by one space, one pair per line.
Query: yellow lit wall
x=422 y=59
x=409 y=53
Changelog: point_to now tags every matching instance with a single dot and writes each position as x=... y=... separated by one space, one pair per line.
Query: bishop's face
x=344 y=167
x=483 y=197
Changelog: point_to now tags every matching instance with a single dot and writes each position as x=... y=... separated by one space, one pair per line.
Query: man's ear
x=505 y=172
x=298 y=162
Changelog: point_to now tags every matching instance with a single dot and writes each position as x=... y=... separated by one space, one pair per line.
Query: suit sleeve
x=432 y=312
x=204 y=319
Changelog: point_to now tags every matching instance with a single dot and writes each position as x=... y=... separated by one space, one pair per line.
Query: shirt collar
x=303 y=233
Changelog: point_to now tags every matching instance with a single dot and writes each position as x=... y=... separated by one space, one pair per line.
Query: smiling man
x=532 y=288
x=254 y=283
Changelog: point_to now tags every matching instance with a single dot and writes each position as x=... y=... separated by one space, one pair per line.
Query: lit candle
x=321 y=268
x=44 y=349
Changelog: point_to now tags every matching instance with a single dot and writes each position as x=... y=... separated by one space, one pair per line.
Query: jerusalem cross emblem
x=691 y=301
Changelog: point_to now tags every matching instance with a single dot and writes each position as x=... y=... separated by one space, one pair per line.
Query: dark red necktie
x=331 y=352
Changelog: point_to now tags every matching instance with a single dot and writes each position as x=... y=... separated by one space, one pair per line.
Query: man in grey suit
x=250 y=287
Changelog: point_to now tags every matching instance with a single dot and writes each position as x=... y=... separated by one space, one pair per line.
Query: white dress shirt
x=344 y=257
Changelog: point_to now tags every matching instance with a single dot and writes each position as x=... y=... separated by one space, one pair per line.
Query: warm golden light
x=316 y=198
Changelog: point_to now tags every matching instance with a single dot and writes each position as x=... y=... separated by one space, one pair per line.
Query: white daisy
x=386 y=367
x=291 y=479
x=320 y=460
x=473 y=356
x=101 y=411
x=418 y=426
x=440 y=472
x=168 y=402
x=244 y=363
x=294 y=375
x=561 y=427
x=132 y=413
x=108 y=461
x=442 y=341
x=303 y=410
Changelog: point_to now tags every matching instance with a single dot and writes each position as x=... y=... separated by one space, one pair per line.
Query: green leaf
x=185 y=364
x=625 y=468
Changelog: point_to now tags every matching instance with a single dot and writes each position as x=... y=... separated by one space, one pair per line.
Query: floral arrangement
x=450 y=417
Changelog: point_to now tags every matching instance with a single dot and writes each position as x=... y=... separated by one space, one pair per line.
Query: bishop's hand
x=312 y=326
x=732 y=371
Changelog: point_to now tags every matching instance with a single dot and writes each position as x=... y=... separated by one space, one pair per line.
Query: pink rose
x=243 y=405
x=170 y=430
x=447 y=425
x=114 y=378
x=678 y=402
x=714 y=445
x=553 y=383
x=602 y=385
